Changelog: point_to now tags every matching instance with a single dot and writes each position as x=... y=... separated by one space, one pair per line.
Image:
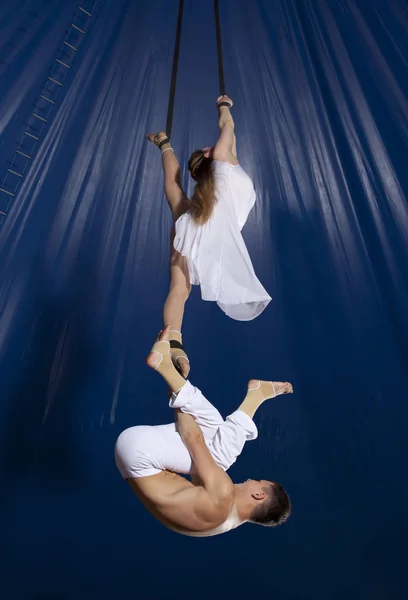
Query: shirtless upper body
x=192 y=506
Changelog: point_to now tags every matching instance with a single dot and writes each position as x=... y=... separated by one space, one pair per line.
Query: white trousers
x=147 y=450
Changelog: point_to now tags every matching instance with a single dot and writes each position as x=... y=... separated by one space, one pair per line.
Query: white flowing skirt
x=219 y=262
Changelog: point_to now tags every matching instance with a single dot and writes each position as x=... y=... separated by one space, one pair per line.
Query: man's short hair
x=275 y=509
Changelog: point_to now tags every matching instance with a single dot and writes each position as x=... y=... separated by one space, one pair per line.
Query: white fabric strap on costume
x=163 y=151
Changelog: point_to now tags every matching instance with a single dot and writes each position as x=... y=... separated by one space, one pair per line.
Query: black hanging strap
x=172 y=95
x=219 y=48
x=170 y=110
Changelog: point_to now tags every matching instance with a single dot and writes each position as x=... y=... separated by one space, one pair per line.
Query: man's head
x=263 y=502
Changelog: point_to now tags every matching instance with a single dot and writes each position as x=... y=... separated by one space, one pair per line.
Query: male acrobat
x=200 y=444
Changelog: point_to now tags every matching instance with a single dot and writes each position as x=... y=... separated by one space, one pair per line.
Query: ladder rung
x=62 y=63
x=14 y=172
x=85 y=11
x=31 y=135
x=38 y=117
x=22 y=154
x=6 y=192
x=48 y=100
x=77 y=28
x=69 y=45
x=54 y=80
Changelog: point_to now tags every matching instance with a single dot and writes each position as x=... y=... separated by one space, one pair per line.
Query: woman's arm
x=172 y=176
x=225 y=149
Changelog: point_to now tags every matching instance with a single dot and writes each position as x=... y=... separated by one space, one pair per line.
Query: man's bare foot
x=259 y=391
x=276 y=387
x=153 y=359
x=155 y=137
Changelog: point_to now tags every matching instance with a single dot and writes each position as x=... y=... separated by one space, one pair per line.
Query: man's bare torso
x=179 y=503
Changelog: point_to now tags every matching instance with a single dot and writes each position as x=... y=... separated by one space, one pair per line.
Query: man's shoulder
x=214 y=509
x=197 y=510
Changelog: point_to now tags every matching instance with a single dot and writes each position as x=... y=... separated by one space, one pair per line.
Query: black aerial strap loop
x=170 y=110
x=219 y=47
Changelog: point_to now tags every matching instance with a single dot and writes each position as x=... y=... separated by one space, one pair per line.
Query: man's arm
x=226 y=146
x=215 y=481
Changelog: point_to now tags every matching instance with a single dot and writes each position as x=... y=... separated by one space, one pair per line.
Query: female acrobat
x=207 y=247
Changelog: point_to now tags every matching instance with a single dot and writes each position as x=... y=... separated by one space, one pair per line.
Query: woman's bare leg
x=179 y=292
x=180 y=287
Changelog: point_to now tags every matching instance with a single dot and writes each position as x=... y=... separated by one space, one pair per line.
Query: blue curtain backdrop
x=320 y=91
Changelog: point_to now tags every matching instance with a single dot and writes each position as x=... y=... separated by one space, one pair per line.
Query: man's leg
x=225 y=439
x=184 y=395
x=229 y=440
x=145 y=450
x=192 y=402
x=142 y=451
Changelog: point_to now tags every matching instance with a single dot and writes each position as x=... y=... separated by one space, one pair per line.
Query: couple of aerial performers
x=207 y=249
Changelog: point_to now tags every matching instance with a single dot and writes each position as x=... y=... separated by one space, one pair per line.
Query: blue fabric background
x=320 y=92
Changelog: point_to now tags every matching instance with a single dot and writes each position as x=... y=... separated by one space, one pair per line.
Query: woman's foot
x=276 y=388
x=154 y=358
x=159 y=359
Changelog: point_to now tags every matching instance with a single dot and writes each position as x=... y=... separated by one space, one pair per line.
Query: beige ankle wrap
x=256 y=396
x=166 y=368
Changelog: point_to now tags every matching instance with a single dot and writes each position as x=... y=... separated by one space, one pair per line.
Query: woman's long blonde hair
x=203 y=200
